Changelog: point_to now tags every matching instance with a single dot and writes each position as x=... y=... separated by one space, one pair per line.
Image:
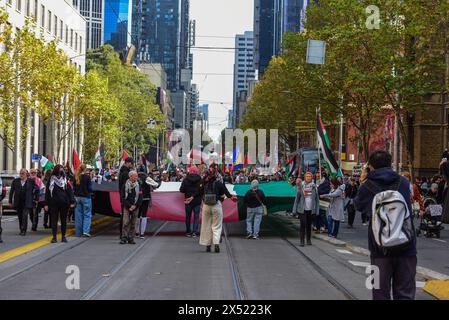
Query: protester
x=192 y=187
x=147 y=184
x=397 y=266
x=23 y=197
x=59 y=198
x=255 y=202
x=132 y=201
x=47 y=218
x=416 y=198
x=2 y=196
x=336 y=208
x=351 y=193
x=34 y=214
x=83 y=195
x=212 y=215
x=123 y=177
x=307 y=205
x=322 y=181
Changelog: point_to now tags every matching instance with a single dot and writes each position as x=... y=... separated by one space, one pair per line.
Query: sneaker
x=54 y=240
x=122 y=241
x=64 y=239
x=364 y=224
x=142 y=236
x=249 y=236
x=131 y=241
x=188 y=235
x=194 y=235
x=86 y=235
x=217 y=248
x=208 y=249
x=255 y=237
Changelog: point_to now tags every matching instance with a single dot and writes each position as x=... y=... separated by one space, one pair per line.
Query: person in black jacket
x=147 y=184
x=254 y=201
x=351 y=192
x=23 y=196
x=122 y=178
x=58 y=198
x=212 y=215
x=132 y=201
x=192 y=187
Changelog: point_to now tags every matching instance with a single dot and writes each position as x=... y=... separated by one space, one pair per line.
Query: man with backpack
x=385 y=197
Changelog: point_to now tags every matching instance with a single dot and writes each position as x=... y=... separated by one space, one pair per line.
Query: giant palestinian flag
x=280 y=197
x=325 y=146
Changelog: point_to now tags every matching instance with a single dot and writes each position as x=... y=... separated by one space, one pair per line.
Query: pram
x=431 y=224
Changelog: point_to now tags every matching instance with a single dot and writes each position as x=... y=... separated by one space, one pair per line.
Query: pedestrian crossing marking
x=343 y=251
x=360 y=263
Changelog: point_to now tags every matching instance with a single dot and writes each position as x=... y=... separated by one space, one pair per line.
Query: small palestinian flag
x=46 y=164
x=325 y=147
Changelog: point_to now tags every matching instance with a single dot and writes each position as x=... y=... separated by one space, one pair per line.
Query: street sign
x=35 y=157
x=316 y=51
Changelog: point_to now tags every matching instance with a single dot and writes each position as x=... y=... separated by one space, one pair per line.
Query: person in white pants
x=147 y=184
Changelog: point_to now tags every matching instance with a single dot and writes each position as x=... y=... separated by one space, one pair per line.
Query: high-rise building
x=292 y=15
x=194 y=96
x=203 y=114
x=267 y=32
x=243 y=69
x=93 y=11
x=117 y=23
x=60 y=21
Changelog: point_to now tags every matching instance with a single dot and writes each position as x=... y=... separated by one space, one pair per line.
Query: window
x=55 y=31
x=66 y=34
x=81 y=44
x=76 y=41
x=71 y=38
x=19 y=5
x=49 y=21
x=9 y=2
x=61 y=31
x=28 y=8
x=42 y=16
x=36 y=8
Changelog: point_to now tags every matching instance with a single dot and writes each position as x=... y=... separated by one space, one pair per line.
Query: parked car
x=7 y=179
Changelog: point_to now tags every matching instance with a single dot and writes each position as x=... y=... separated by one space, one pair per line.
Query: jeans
x=332 y=226
x=83 y=215
x=253 y=220
x=196 y=217
x=397 y=276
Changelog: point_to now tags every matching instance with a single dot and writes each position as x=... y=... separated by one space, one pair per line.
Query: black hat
x=129 y=160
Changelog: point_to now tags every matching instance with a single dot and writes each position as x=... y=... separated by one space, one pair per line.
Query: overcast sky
x=217 y=23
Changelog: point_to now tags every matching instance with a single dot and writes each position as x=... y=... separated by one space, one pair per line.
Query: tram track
x=66 y=248
x=97 y=288
x=329 y=278
x=237 y=282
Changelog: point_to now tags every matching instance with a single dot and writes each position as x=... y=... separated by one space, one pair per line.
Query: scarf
x=130 y=186
x=60 y=182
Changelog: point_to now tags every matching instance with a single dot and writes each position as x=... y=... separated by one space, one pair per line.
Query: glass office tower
x=117 y=23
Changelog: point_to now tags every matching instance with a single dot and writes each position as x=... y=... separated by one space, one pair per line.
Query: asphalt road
x=168 y=265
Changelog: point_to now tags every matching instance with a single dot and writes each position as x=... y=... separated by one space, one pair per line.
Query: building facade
x=93 y=12
x=58 y=20
x=243 y=70
x=118 y=23
x=203 y=114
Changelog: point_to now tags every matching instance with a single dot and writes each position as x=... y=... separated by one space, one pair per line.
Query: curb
x=425 y=273
x=16 y=252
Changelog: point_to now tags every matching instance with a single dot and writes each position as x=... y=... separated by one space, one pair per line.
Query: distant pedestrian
x=212 y=214
x=351 y=192
x=132 y=201
x=307 y=206
x=192 y=187
x=23 y=197
x=34 y=214
x=392 y=245
x=255 y=201
x=336 y=207
x=59 y=199
x=324 y=187
x=47 y=218
x=147 y=185
x=83 y=195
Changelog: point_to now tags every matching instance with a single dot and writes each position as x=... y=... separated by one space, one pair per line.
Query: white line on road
x=440 y=240
x=343 y=251
x=420 y=284
x=360 y=263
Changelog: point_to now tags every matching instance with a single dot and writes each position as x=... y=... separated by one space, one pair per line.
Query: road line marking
x=420 y=284
x=359 y=263
x=440 y=240
x=343 y=251
x=11 y=254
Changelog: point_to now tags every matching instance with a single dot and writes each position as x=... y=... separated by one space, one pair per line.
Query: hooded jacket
x=192 y=186
x=384 y=177
x=122 y=178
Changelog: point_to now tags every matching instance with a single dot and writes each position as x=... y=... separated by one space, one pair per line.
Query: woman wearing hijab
x=192 y=186
x=336 y=207
x=255 y=202
x=212 y=215
x=59 y=198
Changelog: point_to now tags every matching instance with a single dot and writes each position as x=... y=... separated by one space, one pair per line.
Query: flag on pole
x=99 y=157
x=46 y=164
x=292 y=163
x=76 y=162
x=325 y=147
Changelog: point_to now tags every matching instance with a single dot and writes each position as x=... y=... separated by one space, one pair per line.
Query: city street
x=168 y=265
